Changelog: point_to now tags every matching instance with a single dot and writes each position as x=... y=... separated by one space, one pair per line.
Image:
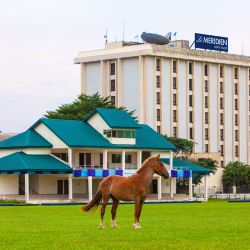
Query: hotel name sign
x=210 y=42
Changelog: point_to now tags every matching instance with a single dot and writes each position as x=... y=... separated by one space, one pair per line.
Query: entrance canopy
x=179 y=164
x=22 y=163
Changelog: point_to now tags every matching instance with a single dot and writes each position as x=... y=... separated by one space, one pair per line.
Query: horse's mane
x=145 y=164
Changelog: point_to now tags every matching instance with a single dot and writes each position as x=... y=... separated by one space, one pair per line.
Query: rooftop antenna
x=106 y=36
x=123 y=31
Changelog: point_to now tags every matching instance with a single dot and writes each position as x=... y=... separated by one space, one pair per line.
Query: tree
x=183 y=146
x=236 y=174
x=82 y=106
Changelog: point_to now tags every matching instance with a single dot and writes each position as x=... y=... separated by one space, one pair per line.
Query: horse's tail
x=94 y=203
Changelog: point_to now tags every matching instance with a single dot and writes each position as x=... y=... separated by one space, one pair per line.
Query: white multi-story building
x=193 y=94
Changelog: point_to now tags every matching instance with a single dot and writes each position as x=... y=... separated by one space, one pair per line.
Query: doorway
x=62 y=187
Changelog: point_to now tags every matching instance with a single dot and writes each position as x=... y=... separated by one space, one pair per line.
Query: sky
x=40 y=38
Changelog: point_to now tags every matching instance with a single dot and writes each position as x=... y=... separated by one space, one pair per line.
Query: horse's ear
x=158 y=156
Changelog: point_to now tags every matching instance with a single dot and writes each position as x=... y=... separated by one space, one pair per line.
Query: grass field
x=211 y=225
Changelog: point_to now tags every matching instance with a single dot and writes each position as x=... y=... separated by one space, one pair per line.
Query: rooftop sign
x=218 y=43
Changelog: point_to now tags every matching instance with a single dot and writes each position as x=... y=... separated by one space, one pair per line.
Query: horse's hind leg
x=105 y=199
x=113 y=212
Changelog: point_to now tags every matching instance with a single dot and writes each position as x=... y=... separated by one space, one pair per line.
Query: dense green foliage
x=236 y=174
x=82 y=106
x=183 y=146
x=211 y=225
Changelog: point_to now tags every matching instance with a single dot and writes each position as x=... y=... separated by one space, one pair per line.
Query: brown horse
x=134 y=188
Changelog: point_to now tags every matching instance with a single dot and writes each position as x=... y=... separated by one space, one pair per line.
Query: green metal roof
x=186 y=165
x=80 y=134
x=115 y=118
x=20 y=161
x=27 y=139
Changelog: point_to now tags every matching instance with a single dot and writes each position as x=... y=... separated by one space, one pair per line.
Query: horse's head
x=159 y=167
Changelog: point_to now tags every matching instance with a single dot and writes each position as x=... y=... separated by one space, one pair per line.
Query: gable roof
x=115 y=118
x=20 y=161
x=27 y=139
x=187 y=165
x=76 y=133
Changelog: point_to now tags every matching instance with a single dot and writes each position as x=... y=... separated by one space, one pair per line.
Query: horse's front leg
x=138 y=207
x=113 y=212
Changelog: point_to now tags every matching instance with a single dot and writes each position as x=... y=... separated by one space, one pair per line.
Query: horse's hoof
x=101 y=226
x=136 y=226
x=115 y=226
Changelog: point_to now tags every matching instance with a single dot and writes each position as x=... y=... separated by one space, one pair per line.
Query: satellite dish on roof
x=155 y=38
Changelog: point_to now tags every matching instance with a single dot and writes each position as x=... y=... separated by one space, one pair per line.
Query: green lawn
x=211 y=225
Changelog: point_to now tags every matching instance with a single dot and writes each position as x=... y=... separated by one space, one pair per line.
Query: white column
x=139 y=158
x=190 y=180
x=171 y=160
x=70 y=157
x=123 y=159
x=159 y=188
x=105 y=159
x=205 y=182
x=27 y=191
x=70 y=187
x=90 y=187
x=172 y=186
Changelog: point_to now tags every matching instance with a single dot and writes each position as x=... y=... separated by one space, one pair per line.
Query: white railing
x=113 y=167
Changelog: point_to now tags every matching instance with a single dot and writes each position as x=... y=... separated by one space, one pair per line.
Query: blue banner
x=218 y=43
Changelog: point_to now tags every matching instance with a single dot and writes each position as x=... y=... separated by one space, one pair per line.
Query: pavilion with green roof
x=68 y=157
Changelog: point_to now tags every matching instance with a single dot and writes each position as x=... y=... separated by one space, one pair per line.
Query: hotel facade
x=199 y=95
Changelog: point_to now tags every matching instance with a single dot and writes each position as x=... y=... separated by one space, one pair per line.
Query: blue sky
x=39 y=39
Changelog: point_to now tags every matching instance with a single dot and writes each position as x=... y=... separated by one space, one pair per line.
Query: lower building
x=66 y=159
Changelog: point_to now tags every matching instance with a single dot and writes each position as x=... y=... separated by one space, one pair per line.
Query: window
x=174 y=99
x=128 y=158
x=221 y=119
x=206 y=117
x=235 y=73
x=206 y=148
x=206 y=70
x=158 y=81
x=221 y=150
x=158 y=114
x=174 y=67
x=118 y=133
x=221 y=103
x=101 y=159
x=206 y=101
x=221 y=87
x=221 y=71
x=113 y=100
x=175 y=131
x=206 y=85
x=159 y=129
x=236 y=104
x=85 y=159
x=191 y=116
x=236 y=151
x=249 y=74
x=112 y=68
x=249 y=105
x=190 y=84
x=112 y=85
x=206 y=134
x=236 y=89
x=158 y=98
x=158 y=64
x=249 y=90
x=174 y=115
x=116 y=158
x=174 y=83
x=190 y=68
x=222 y=163
x=191 y=133
x=190 y=101
x=236 y=135
x=221 y=134
x=62 y=156
x=236 y=119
